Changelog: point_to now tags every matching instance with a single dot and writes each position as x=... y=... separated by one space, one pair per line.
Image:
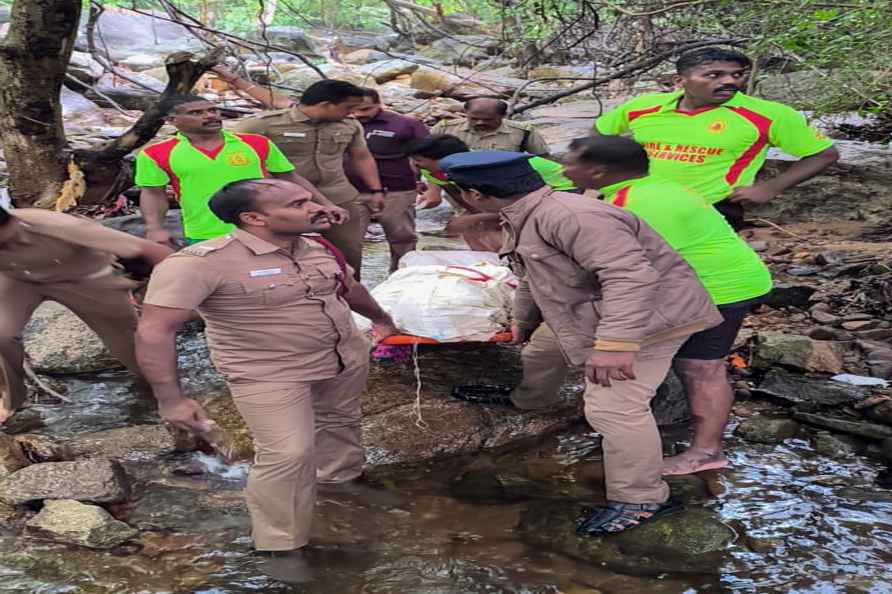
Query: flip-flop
x=618 y=517
x=495 y=394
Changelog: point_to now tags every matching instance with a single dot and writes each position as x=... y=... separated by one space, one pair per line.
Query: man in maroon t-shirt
x=386 y=133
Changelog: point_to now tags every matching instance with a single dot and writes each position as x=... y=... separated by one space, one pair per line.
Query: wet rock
x=886 y=449
x=854 y=427
x=799 y=388
x=761 y=429
x=800 y=352
x=693 y=541
x=860 y=325
x=837 y=446
x=58 y=342
x=11 y=456
x=176 y=509
x=141 y=442
x=830 y=333
x=877 y=334
x=857 y=317
x=73 y=522
x=670 y=405
x=98 y=481
x=44 y=448
x=789 y=295
x=865 y=494
x=8 y=515
x=881 y=412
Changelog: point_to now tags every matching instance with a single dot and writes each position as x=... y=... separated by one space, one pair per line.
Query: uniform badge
x=238 y=159
x=716 y=127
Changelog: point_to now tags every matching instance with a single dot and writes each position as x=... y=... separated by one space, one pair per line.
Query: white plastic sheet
x=448 y=258
x=448 y=303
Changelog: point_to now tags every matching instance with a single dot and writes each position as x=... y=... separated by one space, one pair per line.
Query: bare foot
x=694 y=460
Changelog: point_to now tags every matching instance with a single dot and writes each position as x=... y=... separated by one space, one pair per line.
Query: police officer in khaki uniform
x=315 y=135
x=486 y=129
x=277 y=307
x=58 y=257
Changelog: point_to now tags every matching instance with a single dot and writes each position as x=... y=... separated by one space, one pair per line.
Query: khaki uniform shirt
x=507 y=137
x=598 y=276
x=271 y=315
x=53 y=247
x=316 y=149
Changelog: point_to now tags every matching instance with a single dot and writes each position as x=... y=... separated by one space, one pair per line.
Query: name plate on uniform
x=384 y=133
x=294 y=134
x=265 y=272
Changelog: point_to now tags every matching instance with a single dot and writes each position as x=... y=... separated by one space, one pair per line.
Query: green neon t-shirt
x=196 y=175
x=729 y=268
x=551 y=172
x=715 y=149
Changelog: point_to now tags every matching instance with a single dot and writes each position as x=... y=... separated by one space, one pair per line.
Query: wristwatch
x=378 y=191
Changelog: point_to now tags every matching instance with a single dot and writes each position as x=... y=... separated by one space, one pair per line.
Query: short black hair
x=170 y=104
x=333 y=91
x=5 y=217
x=371 y=94
x=617 y=151
x=230 y=201
x=501 y=106
x=436 y=146
x=704 y=55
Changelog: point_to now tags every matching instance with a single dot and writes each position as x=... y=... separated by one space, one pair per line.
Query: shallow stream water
x=805 y=523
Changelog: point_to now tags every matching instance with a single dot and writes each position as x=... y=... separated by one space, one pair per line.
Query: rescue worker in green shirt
x=712 y=138
x=480 y=230
x=732 y=273
x=198 y=161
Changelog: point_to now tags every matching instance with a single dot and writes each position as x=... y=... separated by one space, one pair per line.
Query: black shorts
x=716 y=342
x=733 y=213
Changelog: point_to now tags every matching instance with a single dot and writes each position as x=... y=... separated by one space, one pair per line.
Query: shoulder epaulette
x=207 y=247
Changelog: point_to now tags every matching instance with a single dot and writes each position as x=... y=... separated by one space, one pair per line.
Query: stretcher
x=408 y=339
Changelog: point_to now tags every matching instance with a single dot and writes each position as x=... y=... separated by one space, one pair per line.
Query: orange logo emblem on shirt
x=716 y=127
x=238 y=159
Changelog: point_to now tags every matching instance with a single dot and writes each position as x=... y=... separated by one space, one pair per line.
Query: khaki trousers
x=102 y=303
x=398 y=221
x=633 y=452
x=348 y=237
x=304 y=433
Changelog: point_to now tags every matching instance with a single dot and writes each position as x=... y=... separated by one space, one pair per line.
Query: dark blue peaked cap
x=486 y=166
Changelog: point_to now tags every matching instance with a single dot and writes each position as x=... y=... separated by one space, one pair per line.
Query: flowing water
x=805 y=523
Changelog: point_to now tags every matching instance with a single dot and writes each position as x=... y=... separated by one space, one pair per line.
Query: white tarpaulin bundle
x=471 y=302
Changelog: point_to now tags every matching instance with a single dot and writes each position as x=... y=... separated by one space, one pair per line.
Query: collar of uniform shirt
x=257 y=245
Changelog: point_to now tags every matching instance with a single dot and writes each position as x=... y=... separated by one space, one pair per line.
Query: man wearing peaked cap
x=618 y=298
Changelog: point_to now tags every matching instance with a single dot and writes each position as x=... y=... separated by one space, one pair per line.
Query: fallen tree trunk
x=33 y=60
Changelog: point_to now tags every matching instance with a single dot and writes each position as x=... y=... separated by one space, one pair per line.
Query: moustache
x=728 y=88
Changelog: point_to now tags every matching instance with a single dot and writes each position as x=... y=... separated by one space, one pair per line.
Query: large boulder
x=693 y=541
x=73 y=522
x=83 y=67
x=126 y=33
x=798 y=352
x=351 y=41
x=98 y=481
x=140 y=442
x=58 y=342
x=852 y=426
x=364 y=56
x=140 y=62
x=79 y=112
x=464 y=84
x=303 y=76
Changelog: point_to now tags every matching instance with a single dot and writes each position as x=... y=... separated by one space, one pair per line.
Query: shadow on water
x=496 y=524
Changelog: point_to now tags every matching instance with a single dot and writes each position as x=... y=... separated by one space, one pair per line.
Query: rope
x=419 y=421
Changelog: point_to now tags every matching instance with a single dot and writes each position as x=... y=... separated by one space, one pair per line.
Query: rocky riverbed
x=96 y=496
